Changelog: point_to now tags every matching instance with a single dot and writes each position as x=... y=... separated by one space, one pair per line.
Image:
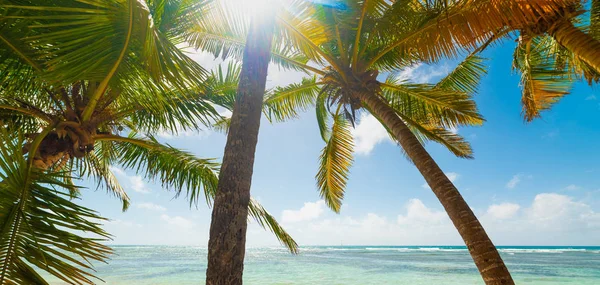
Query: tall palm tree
x=254 y=40
x=227 y=242
x=347 y=44
x=83 y=86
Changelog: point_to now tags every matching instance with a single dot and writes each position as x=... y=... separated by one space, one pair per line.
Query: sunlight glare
x=256 y=8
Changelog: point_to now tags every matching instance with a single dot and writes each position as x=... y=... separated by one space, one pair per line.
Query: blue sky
x=530 y=184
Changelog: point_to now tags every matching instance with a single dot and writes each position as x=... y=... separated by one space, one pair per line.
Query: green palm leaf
x=283 y=103
x=185 y=172
x=100 y=170
x=266 y=220
x=40 y=227
x=335 y=162
x=543 y=84
x=424 y=102
x=432 y=32
x=174 y=168
x=429 y=132
x=465 y=77
x=323 y=117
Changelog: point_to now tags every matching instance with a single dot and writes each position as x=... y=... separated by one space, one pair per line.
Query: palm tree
x=84 y=85
x=253 y=46
x=227 y=242
x=347 y=44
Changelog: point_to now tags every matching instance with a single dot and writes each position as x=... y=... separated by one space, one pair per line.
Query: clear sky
x=529 y=184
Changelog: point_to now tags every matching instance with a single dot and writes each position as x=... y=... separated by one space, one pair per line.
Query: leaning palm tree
x=346 y=45
x=83 y=86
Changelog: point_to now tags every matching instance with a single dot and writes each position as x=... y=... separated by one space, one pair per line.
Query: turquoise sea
x=431 y=265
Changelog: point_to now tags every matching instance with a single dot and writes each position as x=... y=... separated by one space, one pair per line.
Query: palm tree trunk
x=482 y=250
x=227 y=243
x=580 y=43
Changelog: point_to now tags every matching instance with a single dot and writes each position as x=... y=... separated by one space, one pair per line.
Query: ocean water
x=431 y=265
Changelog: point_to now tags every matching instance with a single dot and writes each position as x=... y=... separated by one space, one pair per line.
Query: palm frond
x=174 y=168
x=595 y=19
x=283 y=103
x=335 y=162
x=299 y=27
x=182 y=171
x=423 y=102
x=41 y=228
x=101 y=42
x=432 y=33
x=14 y=51
x=465 y=77
x=543 y=84
x=429 y=132
x=565 y=60
x=322 y=116
x=267 y=221
x=99 y=168
x=222 y=32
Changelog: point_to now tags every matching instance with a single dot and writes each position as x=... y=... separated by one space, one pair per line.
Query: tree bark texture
x=580 y=43
x=482 y=250
x=226 y=246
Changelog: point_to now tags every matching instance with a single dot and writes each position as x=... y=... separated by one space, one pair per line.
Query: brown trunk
x=580 y=43
x=482 y=250
x=226 y=246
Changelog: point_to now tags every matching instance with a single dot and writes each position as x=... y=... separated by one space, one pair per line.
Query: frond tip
x=265 y=220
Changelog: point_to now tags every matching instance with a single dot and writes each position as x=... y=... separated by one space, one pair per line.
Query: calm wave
x=145 y=265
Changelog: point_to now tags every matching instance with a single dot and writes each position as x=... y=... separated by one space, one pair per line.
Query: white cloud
x=420 y=73
x=368 y=133
x=549 y=219
x=591 y=97
x=121 y=223
x=310 y=211
x=555 y=211
x=503 y=211
x=572 y=187
x=117 y=170
x=178 y=221
x=136 y=182
x=183 y=133
x=419 y=224
x=281 y=77
x=225 y=113
x=408 y=72
x=151 y=206
x=418 y=215
x=453 y=176
x=512 y=183
x=205 y=59
x=197 y=134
